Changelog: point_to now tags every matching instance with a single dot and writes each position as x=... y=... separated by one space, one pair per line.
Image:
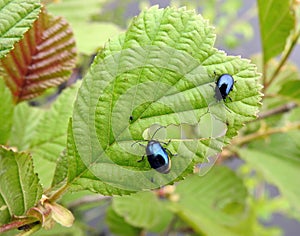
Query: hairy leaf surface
x=19 y=185
x=161 y=72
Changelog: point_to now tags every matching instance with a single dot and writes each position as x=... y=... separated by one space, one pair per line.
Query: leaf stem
x=10 y=226
x=170 y=227
x=283 y=60
x=59 y=193
x=264 y=77
x=264 y=133
x=17 y=223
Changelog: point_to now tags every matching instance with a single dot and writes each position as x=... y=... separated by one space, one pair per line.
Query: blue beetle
x=224 y=85
x=158 y=156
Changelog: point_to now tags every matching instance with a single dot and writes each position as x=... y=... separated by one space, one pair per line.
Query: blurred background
x=237 y=30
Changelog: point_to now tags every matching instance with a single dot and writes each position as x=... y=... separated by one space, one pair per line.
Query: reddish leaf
x=44 y=58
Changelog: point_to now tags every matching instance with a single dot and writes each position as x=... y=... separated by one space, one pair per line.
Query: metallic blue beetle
x=158 y=157
x=224 y=85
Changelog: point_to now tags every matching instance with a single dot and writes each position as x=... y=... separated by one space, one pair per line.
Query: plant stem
x=282 y=109
x=264 y=77
x=283 y=60
x=264 y=133
x=87 y=199
x=16 y=223
x=170 y=227
x=59 y=193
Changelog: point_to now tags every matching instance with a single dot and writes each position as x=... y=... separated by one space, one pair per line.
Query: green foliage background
x=158 y=68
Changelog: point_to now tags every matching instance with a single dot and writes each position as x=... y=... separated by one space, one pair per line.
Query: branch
x=17 y=223
x=264 y=133
x=87 y=199
x=282 y=109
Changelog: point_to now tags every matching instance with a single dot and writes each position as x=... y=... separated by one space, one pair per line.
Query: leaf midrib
x=17 y=22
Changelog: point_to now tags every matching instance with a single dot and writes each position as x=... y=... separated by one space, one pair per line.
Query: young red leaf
x=44 y=58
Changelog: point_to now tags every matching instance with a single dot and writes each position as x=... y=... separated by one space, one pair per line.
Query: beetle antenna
x=157 y=131
x=137 y=142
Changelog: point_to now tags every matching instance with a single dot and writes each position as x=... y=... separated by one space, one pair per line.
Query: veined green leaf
x=278 y=161
x=160 y=72
x=118 y=226
x=16 y=17
x=25 y=121
x=71 y=170
x=7 y=110
x=214 y=204
x=19 y=185
x=290 y=90
x=75 y=230
x=230 y=23
x=143 y=210
x=276 y=22
x=51 y=133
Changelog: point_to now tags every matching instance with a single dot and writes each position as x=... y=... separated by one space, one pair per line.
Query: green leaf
x=25 y=121
x=16 y=17
x=19 y=185
x=288 y=73
x=276 y=22
x=61 y=170
x=77 y=229
x=44 y=58
x=290 y=90
x=118 y=226
x=143 y=210
x=213 y=204
x=45 y=170
x=90 y=35
x=161 y=72
x=71 y=171
x=232 y=24
x=51 y=134
x=277 y=159
x=7 y=109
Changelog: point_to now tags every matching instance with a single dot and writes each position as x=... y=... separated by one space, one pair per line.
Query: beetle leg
x=143 y=157
x=170 y=153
